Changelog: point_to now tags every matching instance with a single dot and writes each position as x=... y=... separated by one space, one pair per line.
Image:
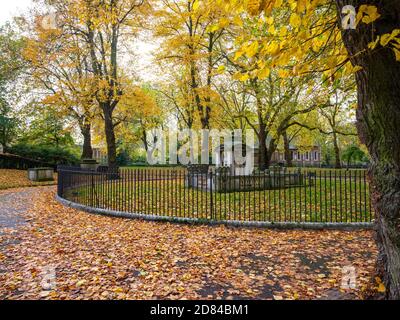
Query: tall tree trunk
x=145 y=141
x=87 y=152
x=338 y=163
x=110 y=138
x=266 y=150
x=288 y=153
x=378 y=119
x=263 y=156
x=203 y=114
x=210 y=65
x=271 y=150
x=105 y=67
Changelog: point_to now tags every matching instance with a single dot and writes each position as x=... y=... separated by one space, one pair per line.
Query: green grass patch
x=328 y=199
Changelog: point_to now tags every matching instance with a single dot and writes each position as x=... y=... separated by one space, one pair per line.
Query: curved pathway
x=13 y=207
x=267 y=273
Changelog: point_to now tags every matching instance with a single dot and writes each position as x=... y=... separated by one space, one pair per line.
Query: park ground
x=18 y=178
x=97 y=257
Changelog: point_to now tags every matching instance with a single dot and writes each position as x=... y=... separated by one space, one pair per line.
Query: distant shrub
x=47 y=154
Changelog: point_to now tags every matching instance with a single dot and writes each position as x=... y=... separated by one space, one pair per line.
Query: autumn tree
x=189 y=39
x=367 y=43
x=276 y=104
x=335 y=118
x=141 y=112
x=102 y=28
x=297 y=134
x=378 y=116
x=11 y=67
x=234 y=101
x=59 y=73
x=47 y=128
x=178 y=99
x=277 y=99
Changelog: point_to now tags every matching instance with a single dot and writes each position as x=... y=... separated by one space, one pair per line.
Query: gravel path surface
x=13 y=207
x=97 y=257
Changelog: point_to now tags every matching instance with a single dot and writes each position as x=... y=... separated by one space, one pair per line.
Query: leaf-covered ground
x=17 y=178
x=96 y=257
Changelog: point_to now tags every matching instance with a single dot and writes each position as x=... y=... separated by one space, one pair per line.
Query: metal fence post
x=60 y=183
x=211 y=196
x=92 y=188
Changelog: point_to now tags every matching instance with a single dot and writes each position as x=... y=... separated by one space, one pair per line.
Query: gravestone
x=197 y=176
x=41 y=174
x=89 y=164
x=198 y=168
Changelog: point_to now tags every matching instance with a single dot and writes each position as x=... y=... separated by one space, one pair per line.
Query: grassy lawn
x=328 y=199
x=18 y=178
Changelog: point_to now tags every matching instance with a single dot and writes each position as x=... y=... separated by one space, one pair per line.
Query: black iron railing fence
x=299 y=196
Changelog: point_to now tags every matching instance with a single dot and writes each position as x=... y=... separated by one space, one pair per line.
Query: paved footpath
x=14 y=206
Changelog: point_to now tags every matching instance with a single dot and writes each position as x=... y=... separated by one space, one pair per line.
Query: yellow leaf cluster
x=367 y=14
x=391 y=40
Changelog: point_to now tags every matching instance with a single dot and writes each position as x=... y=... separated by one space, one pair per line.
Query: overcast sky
x=10 y=8
x=143 y=64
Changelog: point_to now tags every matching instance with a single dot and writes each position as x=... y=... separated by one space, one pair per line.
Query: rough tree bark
x=204 y=113
x=263 y=156
x=106 y=68
x=267 y=150
x=338 y=163
x=378 y=120
x=145 y=141
x=288 y=153
x=110 y=137
x=87 y=152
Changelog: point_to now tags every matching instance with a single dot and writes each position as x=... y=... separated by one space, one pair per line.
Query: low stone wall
x=41 y=174
x=229 y=223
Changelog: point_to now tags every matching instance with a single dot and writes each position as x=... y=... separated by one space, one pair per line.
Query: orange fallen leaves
x=380 y=285
x=18 y=178
x=381 y=288
x=96 y=257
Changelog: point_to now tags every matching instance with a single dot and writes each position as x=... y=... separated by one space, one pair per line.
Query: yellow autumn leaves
x=367 y=14
x=391 y=40
x=294 y=41
x=17 y=178
x=380 y=287
x=254 y=7
x=295 y=20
